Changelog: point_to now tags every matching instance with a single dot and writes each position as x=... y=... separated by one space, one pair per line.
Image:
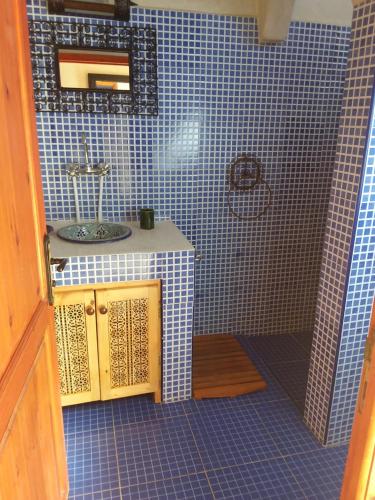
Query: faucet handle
x=60 y=263
x=73 y=169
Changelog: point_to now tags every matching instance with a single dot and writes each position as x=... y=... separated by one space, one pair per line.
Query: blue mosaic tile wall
x=222 y=94
x=358 y=304
x=176 y=271
x=347 y=281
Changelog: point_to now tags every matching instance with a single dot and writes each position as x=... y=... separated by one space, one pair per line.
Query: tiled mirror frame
x=46 y=36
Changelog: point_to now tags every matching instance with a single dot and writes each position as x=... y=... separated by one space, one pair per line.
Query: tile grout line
x=200 y=456
x=214 y=469
x=269 y=365
x=222 y=468
x=269 y=434
x=116 y=452
x=72 y=433
x=269 y=459
x=190 y=411
x=304 y=452
x=295 y=478
x=288 y=392
x=250 y=404
x=83 y=495
x=305 y=360
x=300 y=344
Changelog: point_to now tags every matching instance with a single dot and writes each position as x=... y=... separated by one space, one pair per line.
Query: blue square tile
x=87 y=417
x=278 y=348
x=92 y=462
x=143 y=409
x=114 y=494
x=217 y=405
x=231 y=437
x=320 y=473
x=192 y=487
x=284 y=424
x=154 y=451
x=304 y=339
x=261 y=480
x=274 y=391
x=292 y=376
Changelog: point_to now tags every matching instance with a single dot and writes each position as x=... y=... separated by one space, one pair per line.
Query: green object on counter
x=147 y=218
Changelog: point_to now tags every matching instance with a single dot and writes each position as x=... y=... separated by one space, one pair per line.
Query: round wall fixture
x=245 y=174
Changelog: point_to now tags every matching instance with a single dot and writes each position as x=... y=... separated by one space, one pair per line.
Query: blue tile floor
x=287 y=357
x=250 y=447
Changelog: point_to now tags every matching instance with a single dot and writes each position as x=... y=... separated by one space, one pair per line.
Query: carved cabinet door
x=75 y=324
x=128 y=320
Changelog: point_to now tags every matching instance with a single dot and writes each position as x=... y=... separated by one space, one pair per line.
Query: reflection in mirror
x=110 y=9
x=118 y=9
x=94 y=7
x=93 y=69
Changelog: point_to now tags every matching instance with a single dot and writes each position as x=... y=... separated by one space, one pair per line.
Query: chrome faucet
x=74 y=169
x=86 y=148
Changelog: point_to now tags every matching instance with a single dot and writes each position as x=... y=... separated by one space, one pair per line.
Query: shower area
x=263 y=177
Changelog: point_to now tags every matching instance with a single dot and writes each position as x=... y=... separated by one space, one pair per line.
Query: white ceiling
x=338 y=12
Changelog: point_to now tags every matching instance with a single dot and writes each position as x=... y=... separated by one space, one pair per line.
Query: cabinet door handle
x=103 y=310
x=90 y=310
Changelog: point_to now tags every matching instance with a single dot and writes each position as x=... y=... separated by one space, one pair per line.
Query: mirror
x=110 y=9
x=93 y=69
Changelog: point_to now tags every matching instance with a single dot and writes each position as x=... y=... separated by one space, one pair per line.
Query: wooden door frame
x=24 y=354
x=32 y=452
x=359 y=476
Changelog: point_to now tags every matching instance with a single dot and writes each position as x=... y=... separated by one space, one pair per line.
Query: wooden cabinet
x=108 y=341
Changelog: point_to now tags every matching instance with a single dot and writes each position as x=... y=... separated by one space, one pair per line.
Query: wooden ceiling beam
x=274 y=17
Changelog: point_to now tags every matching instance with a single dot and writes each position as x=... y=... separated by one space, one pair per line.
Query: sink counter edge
x=165 y=237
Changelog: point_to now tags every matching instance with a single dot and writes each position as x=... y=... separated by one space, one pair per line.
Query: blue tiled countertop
x=166 y=237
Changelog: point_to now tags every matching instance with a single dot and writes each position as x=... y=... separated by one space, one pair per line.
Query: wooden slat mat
x=221 y=368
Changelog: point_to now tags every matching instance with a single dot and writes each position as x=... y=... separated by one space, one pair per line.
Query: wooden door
x=32 y=454
x=77 y=353
x=359 y=477
x=128 y=320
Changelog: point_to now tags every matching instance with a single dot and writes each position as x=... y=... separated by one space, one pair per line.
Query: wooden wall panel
x=21 y=215
x=28 y=466
x=32 y=454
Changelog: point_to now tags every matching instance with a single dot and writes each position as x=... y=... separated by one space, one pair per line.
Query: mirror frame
x=46 y=37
